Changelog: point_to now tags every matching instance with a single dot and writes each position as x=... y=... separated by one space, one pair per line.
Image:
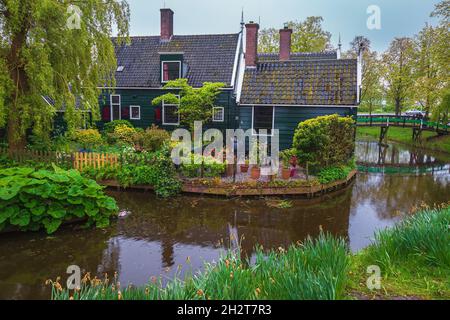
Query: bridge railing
x=401 y=121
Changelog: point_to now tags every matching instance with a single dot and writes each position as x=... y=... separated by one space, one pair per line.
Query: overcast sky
x=348 y=17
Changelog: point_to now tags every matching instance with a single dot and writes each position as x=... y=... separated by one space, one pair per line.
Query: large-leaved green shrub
x=325 y=141
x=31 y=199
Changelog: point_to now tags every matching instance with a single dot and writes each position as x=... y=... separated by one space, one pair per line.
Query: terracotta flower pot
x=244 y=168
x=293 y=171
x=286 y=173
x=255 y=173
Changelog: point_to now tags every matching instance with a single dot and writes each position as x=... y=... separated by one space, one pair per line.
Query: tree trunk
x=397 y=107
x=16 y=137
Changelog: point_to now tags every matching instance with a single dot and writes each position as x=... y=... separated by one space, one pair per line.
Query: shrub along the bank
x=31 y=199
x=325 y=141
x=142 y=168
x=332 y=174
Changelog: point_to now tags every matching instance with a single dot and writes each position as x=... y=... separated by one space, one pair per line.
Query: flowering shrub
x=123 y=134
x=109 y=127
x=154 y=138
x=87 y=138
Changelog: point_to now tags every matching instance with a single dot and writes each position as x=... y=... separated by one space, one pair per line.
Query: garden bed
x=216 y=187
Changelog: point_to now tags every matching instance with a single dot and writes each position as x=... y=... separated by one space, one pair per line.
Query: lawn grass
x=413 y=257
x=404 y=135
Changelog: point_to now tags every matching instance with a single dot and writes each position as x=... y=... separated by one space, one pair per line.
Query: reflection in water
x=158 y=236
x=369 y=152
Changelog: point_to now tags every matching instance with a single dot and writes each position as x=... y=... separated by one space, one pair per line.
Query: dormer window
x=171 y=70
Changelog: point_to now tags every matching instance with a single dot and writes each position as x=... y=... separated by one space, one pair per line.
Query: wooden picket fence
x=94 y=160
x=62 y=159
x=76 y=160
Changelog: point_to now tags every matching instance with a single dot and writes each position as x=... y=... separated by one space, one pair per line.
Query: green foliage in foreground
x=31 y=199
x=317 y=269
x=425 y=237
x=414 y=258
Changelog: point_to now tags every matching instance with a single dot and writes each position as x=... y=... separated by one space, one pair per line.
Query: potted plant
x=293 y=161
x=285 y=170
x=244 y=167
x=255 y=171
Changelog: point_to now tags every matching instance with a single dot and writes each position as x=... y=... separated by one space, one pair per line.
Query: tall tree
x=307 y=36
x=442 y=11
x=55 y=48
x=442 y=55
x=397 y=72
x=431 y=70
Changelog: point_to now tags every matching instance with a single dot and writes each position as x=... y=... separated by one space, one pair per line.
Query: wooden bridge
x=417 y=125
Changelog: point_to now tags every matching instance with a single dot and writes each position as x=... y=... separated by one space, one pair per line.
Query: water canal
x=156 y=237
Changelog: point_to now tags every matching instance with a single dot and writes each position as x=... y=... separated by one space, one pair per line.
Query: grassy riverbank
x=404 y=135
x=414 y=260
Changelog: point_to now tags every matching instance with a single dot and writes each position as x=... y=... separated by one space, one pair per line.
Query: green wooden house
x=147 y=63
x=263 y=91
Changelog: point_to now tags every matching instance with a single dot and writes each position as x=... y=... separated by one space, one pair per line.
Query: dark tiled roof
x=207 y=57
x=302 y=82
x=264 y=57
x=52 y=102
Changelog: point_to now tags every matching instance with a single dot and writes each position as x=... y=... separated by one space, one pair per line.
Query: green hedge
x=31 y=199
x=325 y=141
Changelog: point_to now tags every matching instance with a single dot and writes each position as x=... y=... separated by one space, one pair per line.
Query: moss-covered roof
x=301 y=82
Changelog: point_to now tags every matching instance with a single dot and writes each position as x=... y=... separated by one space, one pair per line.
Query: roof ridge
x=302 y=61
x=301 y=53
x=186 y=35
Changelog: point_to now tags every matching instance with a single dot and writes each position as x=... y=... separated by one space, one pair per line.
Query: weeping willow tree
x=56 y=48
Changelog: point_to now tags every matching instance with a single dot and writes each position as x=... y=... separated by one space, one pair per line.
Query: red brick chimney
x=166 y=24
x=251 y=47
x=285 y=43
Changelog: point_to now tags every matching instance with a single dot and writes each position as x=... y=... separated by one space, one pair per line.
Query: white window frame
x=223 y=114
x=254 y=133
x=170 y=105
x=162 y=69
x=131 y=113
x=111 y=106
